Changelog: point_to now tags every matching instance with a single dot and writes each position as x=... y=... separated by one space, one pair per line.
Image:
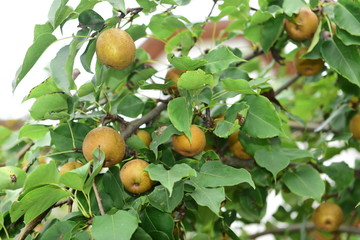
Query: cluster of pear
x=301 y=27
x=108 y=140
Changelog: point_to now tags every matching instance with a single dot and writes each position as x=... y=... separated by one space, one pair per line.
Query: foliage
x=292 y=130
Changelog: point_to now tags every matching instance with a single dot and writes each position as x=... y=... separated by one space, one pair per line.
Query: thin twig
x=98 y=198
x=298 y=227
x=23 y=150
x=287 y=84
x=101 y=102
x=134 y=125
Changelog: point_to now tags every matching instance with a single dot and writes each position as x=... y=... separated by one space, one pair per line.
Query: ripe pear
x=173 y=74
x=236 y=147
x=109 y=141
x=185 y=147
x=134 y=178
x=328 y=217
x=304 y=25
x=354 y=126
x=144 y=136
x=307 y=67
x=115 y=48
x=69 y=166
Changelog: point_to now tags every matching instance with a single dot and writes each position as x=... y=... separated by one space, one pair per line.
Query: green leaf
x=270 y=32
x=11 y=178
x=5 y=133
x=208 y=197
x=163 y=26
x=295 y=153
x=217 y=174
x=153 y=220
x=61 y=137
x=341 y=173
x=183 y=41
x=43 y=174
x=91 y=19
x=113 y=186
x=262 y=121
x=347 y=38
x=219 y=59
x=237 y=85
x=87 y=56
x=346 y=20
x=118 y=4
x=293 y=6
x=180 y=114
x=273 y=159
x=40 y=29
x=119 y=226
x=195 y=80
x=76 y=178
x=52 y=106
x=58 y=12
x=187 y=63
x=36 y=202
x=160 y=197
x=33 y=54
x=137 y=31
x=168 y=178
x=161 y=137
x=48 y=86
x=131 y=106
x=59 y=230
x=305 y=181
x=342 y=58
x=225 y=128
x=34 y=131
x=148 y=6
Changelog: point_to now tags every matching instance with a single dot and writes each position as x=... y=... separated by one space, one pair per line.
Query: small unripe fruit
x=115 y=48
x=134 y=178
x=185 y=147
x=109 y=141
x=304 y=25
x=328 y=217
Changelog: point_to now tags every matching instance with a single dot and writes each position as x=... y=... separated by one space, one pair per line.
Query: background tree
x=228 y=128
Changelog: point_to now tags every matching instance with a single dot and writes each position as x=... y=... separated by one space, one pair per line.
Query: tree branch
x=98 y=198
x=134 y=125
x=298 y=227
x=31 y=225
x=287 y=84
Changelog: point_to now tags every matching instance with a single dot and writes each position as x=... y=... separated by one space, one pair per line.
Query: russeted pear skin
x=115 y=48
x=237 y=148
x=173 y=74
x=304 y=26
x=185 y=147
x=134 y=178
x=69 y=166
x=307 y=67
x=109 y=141
x=354 y=126
x=328 y=217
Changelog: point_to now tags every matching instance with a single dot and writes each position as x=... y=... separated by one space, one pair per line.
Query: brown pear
x=134 y=178
x=328 y=217
x=307 y=67
x=237 y=148
x=303 y=26
x=69 y=166
x=354 y=126
x=109 y=141
x=173 y=74
x=144 y=136
x=115 y=48
x=185 y=147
